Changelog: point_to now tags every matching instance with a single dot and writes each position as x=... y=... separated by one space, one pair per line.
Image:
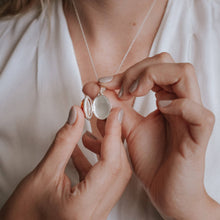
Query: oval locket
x=100 y=107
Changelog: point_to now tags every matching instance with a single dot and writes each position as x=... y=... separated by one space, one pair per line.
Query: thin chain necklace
x=101 y=106
x=130 y=46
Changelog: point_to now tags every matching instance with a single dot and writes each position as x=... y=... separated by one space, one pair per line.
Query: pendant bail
x=102 y=90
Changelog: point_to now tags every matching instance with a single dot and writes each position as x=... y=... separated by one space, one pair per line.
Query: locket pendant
x=100 y=106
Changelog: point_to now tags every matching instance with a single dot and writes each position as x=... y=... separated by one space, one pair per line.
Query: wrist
x=211 y=209
x=203 y=209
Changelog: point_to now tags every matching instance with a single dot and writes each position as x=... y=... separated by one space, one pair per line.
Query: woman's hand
x=46 y=193
x=167 y=148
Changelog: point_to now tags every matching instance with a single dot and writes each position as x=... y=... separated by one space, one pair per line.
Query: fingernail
x=105 y=79
x=164 y=103
x=72 y=116
x=89 y=134
x=121 y=92
x=120 y=116
x=134 y=86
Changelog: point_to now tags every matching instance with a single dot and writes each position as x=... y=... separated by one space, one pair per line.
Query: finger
x=112 y=148
x=113 y=166
x=81 y=163
x=101 y=127
x=199 y=119
x=179 y=79
x=91 y=89
x=111 y=141
x=131 y=74
x=91 y=142
x=65 y=141
x=112 y=82
x=163 y=95
x=114 y=159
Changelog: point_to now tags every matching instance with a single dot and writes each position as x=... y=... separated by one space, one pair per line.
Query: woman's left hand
x=167 y=148
x=46 y=193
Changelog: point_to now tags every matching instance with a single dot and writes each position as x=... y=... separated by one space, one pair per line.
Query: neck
x=103 y=16
x=117 y=8
x=110 y=26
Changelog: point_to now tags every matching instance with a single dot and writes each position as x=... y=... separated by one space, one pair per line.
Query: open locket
x=100 y=106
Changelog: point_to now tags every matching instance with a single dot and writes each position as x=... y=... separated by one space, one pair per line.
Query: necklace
x=101 y=106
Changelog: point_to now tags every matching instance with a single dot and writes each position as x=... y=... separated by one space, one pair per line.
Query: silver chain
x=130 y=46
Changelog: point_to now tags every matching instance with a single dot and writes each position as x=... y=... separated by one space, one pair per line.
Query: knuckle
x=210 y=118
x=187 y=69
x=148 y=78
x=185 y=150
x=148 y=73
x=164 y=57
x=183 y=105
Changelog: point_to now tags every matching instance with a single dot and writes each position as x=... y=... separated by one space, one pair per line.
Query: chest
x=103 y=55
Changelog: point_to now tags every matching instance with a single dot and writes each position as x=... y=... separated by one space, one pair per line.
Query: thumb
x=65 y=141
x=107 y=179
x=113 y=162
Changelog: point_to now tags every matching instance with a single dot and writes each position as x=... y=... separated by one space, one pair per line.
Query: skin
x=167 y=148
x=173 y=139
x=46 y=193
x=109 y=39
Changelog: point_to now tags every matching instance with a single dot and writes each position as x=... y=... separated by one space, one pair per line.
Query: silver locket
x=100 y=106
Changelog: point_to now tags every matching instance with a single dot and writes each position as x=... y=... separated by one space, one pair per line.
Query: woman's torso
x=40 y=80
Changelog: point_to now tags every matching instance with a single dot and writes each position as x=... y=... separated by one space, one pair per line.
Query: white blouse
x=40 y=80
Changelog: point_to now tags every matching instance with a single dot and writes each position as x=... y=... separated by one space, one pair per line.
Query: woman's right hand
x=167 y=148
x=46 y=193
